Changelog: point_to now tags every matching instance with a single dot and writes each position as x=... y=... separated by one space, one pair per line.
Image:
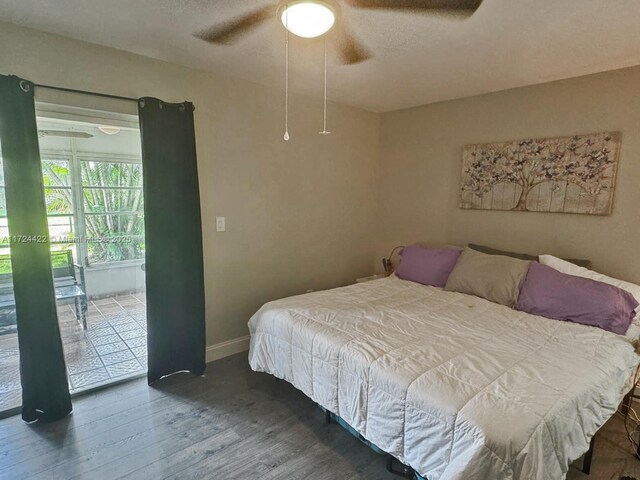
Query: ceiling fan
x=313 y=18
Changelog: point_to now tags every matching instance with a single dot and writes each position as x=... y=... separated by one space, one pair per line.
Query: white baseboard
x=230 y=347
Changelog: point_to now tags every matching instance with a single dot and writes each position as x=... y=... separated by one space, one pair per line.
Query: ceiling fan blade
x=63 y=133
x=468 y=5
x=228 y=32
x=350 y=50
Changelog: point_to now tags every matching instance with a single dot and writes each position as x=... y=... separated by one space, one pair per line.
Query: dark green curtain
x=45 y=390
x=173 y=239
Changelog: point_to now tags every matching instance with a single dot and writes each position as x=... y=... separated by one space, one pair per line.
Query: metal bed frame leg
x=328 y=416
x=588 y=457
x=626 y=403
x=406 y=471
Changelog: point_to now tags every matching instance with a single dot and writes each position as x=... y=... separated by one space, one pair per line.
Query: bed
x=454 y=386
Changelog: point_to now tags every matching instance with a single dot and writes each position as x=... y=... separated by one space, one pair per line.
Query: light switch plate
x=221 y=224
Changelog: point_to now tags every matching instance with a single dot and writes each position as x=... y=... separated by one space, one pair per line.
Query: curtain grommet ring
x=141 y=102
x=181 y=107
x=25 y=86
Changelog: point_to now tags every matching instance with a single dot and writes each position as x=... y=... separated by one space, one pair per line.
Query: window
x=93 y=190
x=107 y=225
x=113 y=209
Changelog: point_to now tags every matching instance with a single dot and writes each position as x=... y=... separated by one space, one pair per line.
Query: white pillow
x=571 y=269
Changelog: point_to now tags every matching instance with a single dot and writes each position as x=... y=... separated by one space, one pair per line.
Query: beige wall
x=422 y=154
x=299 y=215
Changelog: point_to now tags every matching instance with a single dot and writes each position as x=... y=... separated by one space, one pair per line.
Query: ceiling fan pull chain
x=286 y=81
x=324 y=129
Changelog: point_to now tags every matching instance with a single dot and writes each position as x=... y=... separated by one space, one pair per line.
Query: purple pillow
x=429 y=266
x=553 y=294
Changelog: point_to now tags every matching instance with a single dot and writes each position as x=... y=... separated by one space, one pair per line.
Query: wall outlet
x=221 y=224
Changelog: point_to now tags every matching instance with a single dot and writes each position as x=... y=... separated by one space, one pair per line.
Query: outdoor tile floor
x=113 y=347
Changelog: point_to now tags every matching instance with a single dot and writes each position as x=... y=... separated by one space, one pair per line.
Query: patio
x=113 y=348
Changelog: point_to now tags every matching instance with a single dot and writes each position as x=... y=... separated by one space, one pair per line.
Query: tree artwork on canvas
x=567 y=174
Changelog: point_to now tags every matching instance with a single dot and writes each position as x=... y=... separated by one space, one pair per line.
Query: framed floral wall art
x=574 y=174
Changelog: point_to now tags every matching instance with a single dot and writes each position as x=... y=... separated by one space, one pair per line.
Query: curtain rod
x=85 y=92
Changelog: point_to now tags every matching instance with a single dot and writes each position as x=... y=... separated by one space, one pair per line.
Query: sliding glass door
x=92 y=177
x=72 y=258
x=92 y=170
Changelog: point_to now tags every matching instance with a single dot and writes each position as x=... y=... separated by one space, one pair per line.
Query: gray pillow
x=495 y=277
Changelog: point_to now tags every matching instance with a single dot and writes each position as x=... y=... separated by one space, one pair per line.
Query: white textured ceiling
x=418 y=58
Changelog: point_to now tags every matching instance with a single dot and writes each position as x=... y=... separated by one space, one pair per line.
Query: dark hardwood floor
x=231 y=424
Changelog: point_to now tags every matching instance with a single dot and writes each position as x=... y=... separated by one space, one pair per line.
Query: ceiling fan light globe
x=308 y=19
x=109 y=130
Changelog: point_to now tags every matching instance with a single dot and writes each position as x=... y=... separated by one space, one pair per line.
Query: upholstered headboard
x=524 y=256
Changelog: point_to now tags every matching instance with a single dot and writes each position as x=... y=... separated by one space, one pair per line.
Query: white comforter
x=453 y=385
